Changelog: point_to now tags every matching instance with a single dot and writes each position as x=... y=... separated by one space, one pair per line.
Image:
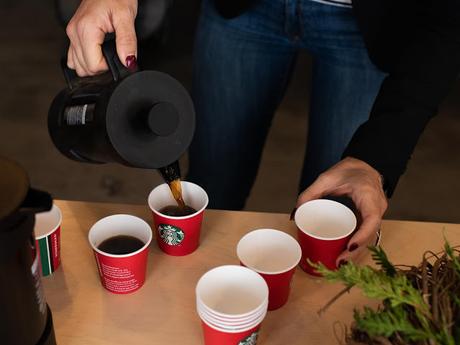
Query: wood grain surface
x=163 y=310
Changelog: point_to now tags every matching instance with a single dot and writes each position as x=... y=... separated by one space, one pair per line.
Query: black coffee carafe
x=25 y=318
x=143 y=119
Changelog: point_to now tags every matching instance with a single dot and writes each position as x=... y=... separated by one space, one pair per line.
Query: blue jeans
x=241 y=69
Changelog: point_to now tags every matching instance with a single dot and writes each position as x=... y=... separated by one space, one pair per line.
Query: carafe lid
x=16 y=196
x=18 y=204
x=150 y=119
x=14 y=186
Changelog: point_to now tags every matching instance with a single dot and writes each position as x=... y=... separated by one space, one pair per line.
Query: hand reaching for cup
x=88 y=27
x=356 y=179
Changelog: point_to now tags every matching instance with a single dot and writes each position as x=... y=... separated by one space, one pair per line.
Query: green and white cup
x=48 y=239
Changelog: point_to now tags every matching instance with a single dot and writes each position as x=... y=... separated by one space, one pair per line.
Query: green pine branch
x=451 y=254
x=376 y=284
x=388 y=322
x=404 y=313
x=380 y=257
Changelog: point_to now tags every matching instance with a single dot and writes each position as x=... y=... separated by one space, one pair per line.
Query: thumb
x=126 y=41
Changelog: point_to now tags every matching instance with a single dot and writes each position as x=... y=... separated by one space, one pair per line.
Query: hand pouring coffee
x=142 y=119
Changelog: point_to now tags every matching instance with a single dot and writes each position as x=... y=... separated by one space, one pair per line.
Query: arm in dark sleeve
x=411 y=93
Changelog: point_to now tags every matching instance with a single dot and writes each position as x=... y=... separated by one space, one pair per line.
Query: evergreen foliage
x=419 y=305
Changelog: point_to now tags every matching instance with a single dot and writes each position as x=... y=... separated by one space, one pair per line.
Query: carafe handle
x=109 y=50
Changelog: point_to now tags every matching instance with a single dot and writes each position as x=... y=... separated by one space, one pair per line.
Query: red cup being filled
x=324 y=229
x=178 y=235
x=232 y=303
x=274 y=255
x=121 y=246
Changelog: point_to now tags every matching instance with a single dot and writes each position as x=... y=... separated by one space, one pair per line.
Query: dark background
x=32 y=42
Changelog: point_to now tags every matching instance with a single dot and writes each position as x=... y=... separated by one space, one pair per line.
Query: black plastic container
x=25 y=318
x=142 y=119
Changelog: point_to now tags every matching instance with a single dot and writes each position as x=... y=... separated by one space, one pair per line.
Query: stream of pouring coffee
x=171 y=175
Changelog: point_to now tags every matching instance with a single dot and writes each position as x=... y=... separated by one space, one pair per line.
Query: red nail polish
x=342 y=262
x=291 y=217
x=353 y=247
x=131 y=63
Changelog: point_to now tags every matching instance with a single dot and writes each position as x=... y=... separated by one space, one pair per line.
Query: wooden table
x=163 y=311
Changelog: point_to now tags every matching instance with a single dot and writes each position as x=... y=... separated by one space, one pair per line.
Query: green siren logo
x=251 y=340
x=171 y=234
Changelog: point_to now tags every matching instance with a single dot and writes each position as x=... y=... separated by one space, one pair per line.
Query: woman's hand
x=363 y=184
x=88 y=27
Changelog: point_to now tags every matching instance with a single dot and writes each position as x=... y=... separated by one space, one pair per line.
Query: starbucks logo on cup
x=171 y=234
x=251 y=340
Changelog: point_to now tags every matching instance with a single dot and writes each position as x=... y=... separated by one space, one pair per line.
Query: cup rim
x=233 y=324
x=262 y=306
x=233 y=329
x=244 y=329
x=332 y=202
x=297 y=245
x=230 y=318
x=178 y=217
x=266 y=290
x=59 y=212
x=120 y=256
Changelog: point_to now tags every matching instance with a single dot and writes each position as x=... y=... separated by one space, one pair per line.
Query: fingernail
x=293 y=213
x=342 y=262
x=353 y=247
x=131 y=63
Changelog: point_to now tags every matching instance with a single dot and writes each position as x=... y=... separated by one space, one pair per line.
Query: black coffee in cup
x=177 y=211
x=121 y=244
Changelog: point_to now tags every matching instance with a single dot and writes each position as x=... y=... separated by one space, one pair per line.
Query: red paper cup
x=48 y=239
x=215 y=336
x=232 y=303
x=178 y=236
x=324 y=229
x=274 y=255
x=125 y=273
